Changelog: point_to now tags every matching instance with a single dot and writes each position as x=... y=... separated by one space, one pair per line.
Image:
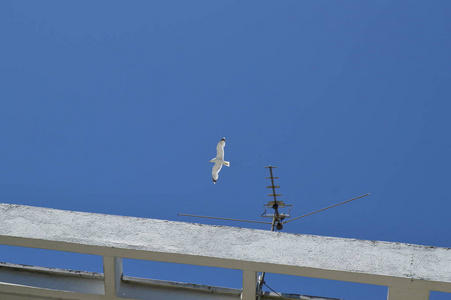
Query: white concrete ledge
x=403 y=266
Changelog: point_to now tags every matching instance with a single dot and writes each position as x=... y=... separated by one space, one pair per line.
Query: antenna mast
x=277 y=219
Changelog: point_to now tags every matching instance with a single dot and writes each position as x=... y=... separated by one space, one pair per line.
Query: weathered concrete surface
x=374 y=262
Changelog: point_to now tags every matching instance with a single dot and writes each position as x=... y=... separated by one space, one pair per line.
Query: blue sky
x=116 y=107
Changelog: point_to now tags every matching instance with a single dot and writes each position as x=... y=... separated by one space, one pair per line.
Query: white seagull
x=219 y=160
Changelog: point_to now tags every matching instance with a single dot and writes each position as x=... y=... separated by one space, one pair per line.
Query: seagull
x=219 y=160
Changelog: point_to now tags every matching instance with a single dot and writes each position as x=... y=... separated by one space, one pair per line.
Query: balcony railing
x=410 y=271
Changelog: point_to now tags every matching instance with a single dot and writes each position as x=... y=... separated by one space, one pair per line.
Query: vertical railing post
x=112 y=271
x=249 y=285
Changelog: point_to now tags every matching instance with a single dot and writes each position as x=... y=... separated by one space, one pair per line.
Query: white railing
x=410 y=271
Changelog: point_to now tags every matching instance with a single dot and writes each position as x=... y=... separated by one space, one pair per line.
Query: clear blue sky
x=116 y=107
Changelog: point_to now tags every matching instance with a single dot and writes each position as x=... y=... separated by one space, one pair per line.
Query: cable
x=272 y=289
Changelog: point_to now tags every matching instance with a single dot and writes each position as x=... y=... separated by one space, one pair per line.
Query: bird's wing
x=220 y=149
x=215 y=171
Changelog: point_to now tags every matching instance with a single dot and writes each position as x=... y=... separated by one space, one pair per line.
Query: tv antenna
x=278 y=218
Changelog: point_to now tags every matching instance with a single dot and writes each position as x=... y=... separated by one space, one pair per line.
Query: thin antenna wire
x=228 y=219
x=314 y=212
x=272 y=289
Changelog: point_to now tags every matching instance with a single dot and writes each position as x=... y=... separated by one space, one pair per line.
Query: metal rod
x=314 y=212
x=261 y=279
x=228 y=219
x=275 y=218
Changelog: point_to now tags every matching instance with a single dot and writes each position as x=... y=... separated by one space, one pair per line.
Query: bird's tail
x=227 y=163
